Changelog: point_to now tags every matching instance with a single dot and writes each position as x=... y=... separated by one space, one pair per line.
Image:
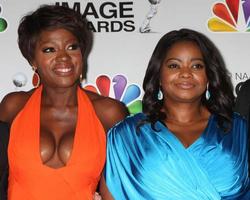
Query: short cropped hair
x=50 y=17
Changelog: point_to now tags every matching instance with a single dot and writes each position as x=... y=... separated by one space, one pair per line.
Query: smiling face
x=183 y=75
x=58 y=58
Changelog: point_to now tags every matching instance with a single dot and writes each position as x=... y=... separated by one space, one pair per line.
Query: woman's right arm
x=11 y=104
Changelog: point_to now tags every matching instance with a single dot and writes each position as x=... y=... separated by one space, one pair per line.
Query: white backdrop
x=124 y=50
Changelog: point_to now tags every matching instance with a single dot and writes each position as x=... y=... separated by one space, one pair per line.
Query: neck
x=59 y=97
x=185 y=112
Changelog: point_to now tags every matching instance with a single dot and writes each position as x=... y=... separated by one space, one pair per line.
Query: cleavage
x=56 y=148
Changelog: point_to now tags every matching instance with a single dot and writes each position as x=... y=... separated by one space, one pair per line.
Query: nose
x=62 y=55
x=185 y=72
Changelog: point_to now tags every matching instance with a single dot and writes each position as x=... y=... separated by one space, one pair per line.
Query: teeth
x=64 y=70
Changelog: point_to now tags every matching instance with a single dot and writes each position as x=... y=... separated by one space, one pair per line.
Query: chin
x=189 y=99
x=65 y=84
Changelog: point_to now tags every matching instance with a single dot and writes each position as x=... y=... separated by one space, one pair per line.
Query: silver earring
x=207 y=93
x=160 y=95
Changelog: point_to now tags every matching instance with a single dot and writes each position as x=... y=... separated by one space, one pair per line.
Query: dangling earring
x=35 y=78
x=207 y=93
x=81 y=78
x=160 y=95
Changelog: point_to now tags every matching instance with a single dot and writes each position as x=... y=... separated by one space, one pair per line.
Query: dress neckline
x=167 y=133
x=38 y=136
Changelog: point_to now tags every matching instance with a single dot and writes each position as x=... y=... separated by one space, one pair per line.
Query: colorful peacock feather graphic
x=230 y=16
x=3 y=23
x=118 y=89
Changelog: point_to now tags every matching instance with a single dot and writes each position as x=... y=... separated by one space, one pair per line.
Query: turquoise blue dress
x=154 y=165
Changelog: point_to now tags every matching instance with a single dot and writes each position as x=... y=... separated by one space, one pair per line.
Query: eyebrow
x=42 y=42
x=193 y=59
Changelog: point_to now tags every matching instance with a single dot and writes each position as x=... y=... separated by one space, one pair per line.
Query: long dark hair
x=220 y=86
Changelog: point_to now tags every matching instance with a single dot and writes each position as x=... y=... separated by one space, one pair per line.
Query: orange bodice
x=29 y=179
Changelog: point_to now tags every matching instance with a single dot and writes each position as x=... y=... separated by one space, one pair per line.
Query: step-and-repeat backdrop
x=125 y=34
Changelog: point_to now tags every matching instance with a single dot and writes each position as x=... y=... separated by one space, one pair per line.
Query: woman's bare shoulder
x=108 y=110
x=12 y=103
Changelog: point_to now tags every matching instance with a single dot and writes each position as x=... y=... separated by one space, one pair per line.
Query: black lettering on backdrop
x=106 y=10
x=129 y=26
x=123 y=9
x=116 y=26
x=103 y=25
x=241 y=76
x=112 y=11
x=91 y=26
x=76 y=5
x=90 y=10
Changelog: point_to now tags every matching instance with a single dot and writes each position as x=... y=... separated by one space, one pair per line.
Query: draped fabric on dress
x=29 y=179
x=147 y=164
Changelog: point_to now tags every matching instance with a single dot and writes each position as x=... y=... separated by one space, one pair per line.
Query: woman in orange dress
x=57 y=141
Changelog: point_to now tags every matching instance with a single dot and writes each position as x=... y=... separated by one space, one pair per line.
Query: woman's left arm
x=104 y=191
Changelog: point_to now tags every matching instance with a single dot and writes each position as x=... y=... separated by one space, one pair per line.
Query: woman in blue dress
x=187 y=143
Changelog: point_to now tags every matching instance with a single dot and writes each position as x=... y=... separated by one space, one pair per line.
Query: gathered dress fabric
x=30 y=179
x=143 y=163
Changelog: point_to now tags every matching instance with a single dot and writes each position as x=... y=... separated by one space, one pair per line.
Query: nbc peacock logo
x=3 y=22
x=230 y=16
x=119 y=89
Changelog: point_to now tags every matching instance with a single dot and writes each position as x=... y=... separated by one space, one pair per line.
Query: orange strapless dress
x=29 y=179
